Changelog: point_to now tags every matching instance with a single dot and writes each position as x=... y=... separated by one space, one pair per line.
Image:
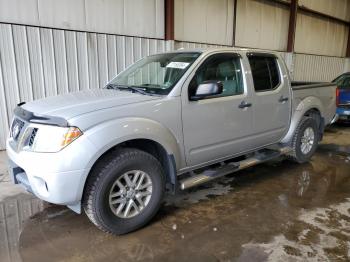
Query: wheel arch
x=310 y=106
x=152 y=147
x=142 y=133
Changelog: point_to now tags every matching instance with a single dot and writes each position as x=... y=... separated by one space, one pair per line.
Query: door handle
x=244 y=104
x=283 y=99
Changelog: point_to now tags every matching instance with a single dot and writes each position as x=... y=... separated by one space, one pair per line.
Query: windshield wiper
x=133 y=89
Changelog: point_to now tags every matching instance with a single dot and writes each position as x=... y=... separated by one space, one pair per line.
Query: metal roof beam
x=347 y=54
x=169 y=20
x=293 y=11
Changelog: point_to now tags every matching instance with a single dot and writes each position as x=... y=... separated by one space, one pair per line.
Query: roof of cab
x=216 y=49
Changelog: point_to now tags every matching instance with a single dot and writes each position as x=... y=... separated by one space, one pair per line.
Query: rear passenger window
x=265 y=72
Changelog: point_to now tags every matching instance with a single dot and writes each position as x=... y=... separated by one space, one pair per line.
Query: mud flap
x=75 y=207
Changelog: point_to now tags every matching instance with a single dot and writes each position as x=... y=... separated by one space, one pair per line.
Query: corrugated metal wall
x=317 y=68
x=125 y=17
x=38 y=62
x=13 y=214
x=262 y=24
x=204 y=21
x=336 y=8
x=320 y=36
x=347 y=65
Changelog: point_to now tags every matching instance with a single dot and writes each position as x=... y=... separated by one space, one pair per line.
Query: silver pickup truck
x=169 y=122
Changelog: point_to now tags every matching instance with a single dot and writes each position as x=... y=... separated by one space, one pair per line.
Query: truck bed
x=323 y=91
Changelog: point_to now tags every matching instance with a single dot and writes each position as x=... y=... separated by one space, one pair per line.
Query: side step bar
x=225 y=169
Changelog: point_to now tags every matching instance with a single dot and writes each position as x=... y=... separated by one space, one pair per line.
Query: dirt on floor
x=278 y=211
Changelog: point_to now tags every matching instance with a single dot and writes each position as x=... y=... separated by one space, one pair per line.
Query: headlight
x=52 y=139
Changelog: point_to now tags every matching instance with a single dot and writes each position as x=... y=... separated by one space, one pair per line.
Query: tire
x=97 y=201
x=298 y=154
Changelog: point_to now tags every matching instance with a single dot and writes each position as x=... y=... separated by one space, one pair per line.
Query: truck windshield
x=155 y=74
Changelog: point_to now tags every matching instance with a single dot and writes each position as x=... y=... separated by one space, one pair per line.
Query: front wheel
x=305 y=140
x=124 y=191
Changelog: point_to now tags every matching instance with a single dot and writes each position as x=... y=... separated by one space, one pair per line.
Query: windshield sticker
x=178 y=65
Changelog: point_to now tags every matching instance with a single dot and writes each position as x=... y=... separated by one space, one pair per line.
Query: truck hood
x=78 y=103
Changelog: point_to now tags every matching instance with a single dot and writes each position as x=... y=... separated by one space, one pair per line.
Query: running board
x=229 y=168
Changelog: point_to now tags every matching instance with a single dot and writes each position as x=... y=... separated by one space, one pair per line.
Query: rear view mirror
x=207 y=89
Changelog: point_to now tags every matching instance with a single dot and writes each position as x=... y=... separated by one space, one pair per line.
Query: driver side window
x=225 y=68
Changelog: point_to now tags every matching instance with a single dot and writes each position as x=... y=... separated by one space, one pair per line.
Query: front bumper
x=57 y=178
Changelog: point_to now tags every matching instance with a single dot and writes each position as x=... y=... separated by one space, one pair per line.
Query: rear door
x=271 y=98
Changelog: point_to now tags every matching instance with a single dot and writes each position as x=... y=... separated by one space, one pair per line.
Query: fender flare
x=109 y=134
x=303 y=107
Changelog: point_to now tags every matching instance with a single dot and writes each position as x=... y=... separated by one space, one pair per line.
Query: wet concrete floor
x=278 y=211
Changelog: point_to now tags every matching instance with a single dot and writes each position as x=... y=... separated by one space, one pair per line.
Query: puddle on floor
x=14 y=212
x=272 y=212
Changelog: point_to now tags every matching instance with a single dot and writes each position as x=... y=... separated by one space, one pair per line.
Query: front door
x=217 y=127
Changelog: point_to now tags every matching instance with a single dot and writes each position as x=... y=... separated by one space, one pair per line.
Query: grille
x=16 y=128
x=32 y=137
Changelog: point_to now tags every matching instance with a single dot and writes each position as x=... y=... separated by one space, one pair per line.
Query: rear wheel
x=305 y=140
x=124 y=191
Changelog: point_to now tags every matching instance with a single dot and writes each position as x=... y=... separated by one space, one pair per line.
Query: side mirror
x=207 y=89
